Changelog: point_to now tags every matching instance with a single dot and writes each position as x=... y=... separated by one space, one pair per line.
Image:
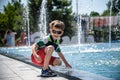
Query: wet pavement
x=11 y=69
x=15 y=67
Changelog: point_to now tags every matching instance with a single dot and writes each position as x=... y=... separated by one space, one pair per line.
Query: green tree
x=62 y=10
x=93 y=13
x=3 y=21
x=34 y=12
x=56 y=9
x=7 y=17
x=12 y=16
x=115 y=5
x=106 y=13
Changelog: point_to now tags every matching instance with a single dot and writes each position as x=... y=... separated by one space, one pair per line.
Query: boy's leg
x=48 y=53
x=41 y=55
x=46 y=71
x=57 y=62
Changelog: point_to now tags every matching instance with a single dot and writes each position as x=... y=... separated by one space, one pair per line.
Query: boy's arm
x=64 y=60
x=34 y=46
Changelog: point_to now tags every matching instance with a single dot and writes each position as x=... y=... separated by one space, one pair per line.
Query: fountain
x=110 y=22
x=26 y=20
x=98 y=59
x=78 y=25
x=28 y=27
x=42 y=23
x=42 y=18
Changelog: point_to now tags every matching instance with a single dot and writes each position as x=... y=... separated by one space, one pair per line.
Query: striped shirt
x=49 y=41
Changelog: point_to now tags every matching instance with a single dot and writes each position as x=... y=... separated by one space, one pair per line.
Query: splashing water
x=43 y=21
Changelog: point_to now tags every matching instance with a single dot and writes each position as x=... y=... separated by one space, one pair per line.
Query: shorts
x=41 y=53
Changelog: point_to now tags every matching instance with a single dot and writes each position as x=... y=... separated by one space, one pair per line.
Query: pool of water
x=101 y=58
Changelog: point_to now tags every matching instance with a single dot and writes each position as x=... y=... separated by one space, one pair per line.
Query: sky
x=84 y=6
x=2 y=3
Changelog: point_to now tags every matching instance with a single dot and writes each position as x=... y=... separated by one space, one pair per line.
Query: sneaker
x=47 y=73
x=51 y=71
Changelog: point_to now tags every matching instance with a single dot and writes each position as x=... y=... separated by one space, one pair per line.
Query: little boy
x=42 y=51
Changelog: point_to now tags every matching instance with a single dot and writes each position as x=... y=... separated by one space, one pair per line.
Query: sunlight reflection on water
x=95 y=58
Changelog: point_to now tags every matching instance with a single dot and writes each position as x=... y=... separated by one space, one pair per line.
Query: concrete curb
x=26 y=60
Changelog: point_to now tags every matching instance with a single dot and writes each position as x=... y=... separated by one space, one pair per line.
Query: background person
x=8 y=38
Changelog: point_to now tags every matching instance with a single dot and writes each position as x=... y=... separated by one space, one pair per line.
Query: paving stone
x=11 y=69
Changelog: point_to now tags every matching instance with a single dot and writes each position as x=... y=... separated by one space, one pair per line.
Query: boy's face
x=56 y=33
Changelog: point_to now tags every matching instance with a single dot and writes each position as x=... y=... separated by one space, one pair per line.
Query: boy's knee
x=49 y=49
x=57 y=62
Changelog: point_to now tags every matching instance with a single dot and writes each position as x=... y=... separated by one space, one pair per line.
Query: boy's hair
x=57 y=24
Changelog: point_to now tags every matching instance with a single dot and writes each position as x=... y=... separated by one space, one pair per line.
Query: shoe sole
x=48 y=75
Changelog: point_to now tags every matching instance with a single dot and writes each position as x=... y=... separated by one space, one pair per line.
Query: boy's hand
x=37 y=58
x=68 y=65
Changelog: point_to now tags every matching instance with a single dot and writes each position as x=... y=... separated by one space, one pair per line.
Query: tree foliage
x=93 y=13
x=115 y=7
x=34 y=12
x=106 y=13
x=56 y=9
x=12 y=16
x=61 y=10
